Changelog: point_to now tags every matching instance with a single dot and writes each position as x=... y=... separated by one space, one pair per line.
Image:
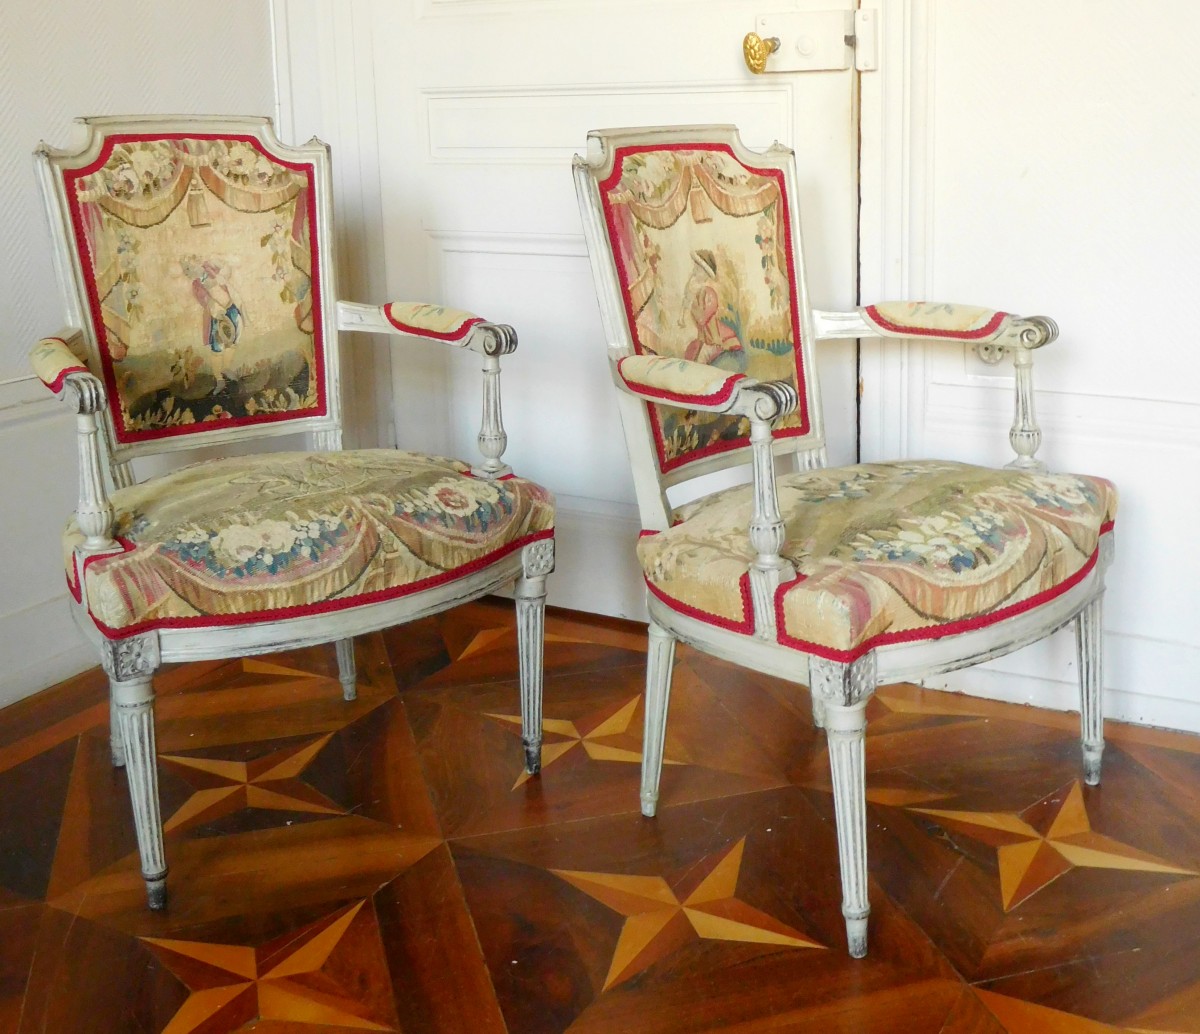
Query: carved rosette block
x=844 y=690
x=537 y=561
x=660 y=660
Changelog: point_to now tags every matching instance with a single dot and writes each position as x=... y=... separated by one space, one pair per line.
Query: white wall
x=1044 y=158
x=58 y=61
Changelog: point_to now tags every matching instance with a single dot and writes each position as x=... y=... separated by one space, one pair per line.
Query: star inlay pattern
x=270 y=781
x=307 y=976
x=1045 y=841
x=658 y=922
x=604 y=736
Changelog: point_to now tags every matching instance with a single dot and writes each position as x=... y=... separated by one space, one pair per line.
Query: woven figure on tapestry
x=703 y=253
x=198 y=258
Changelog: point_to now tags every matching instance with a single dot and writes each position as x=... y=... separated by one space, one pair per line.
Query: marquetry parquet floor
x=384 y=866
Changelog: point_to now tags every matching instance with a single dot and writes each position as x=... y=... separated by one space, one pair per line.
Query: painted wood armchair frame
x=71 y=365
x=839 y=689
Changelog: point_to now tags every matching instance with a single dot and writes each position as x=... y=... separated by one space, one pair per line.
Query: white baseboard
x=596 y=569
x=41 y=646
x=1147 y=681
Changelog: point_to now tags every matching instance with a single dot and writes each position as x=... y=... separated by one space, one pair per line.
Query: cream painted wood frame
x=104 y=465
x=840 y=691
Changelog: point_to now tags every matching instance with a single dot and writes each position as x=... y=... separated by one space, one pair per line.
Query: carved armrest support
x=451 y=327
x=993 y=334
x=690 y=385
x=61 y=370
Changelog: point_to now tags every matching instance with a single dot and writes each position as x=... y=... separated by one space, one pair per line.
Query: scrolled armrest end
x=1035 y=331
x=770 y=400
x=494 y=339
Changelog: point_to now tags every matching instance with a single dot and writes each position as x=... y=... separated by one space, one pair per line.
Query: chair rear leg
x=130 y=665
x=660 y=660
x=1089 y=641
x=845 y=689
x=537 y=562
x=347 y=668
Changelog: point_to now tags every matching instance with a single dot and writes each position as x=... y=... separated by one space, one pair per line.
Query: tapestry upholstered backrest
x=701 y=234
x=193 y=252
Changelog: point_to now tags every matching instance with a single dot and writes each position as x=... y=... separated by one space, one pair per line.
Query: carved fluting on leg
x=845 y=729
x=130 y=665
x=537 y=562
x=844 y=690
x=115 y=743
x=135 y=713
x=1089 y=640
x=347 y=669
x=660 y=659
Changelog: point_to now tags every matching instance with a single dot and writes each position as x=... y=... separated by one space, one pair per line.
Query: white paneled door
x=473 y=109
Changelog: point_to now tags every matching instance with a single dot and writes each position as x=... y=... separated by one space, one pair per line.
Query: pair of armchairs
x=196 y=257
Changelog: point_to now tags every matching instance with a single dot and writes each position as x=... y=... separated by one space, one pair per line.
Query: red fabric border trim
x=440 y=335
x=937 y=631
x=804 y=427
x=723 y=394
x=56 y=385
x=745 y=626
x=884 y=638
x=304 y=610
x=124 y=436
x=958 y=335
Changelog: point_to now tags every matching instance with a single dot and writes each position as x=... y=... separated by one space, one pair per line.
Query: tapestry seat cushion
x=886 y=552
x=287 y=534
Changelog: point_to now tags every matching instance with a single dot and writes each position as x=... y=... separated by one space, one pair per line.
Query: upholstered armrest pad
x=678 y=382
x=950 y=322
x=52 y=360
x=432 y=321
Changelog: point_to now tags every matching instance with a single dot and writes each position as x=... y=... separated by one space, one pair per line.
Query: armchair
x=195 y=256
x=838 y=578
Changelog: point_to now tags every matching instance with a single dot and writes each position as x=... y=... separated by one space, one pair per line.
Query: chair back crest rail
x=194 y=260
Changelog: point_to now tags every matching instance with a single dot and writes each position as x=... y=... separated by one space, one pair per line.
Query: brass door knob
x=756 y=50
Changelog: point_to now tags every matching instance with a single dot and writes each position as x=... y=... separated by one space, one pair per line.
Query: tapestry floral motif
x=261 y=533
x=199 y=253
x=704 y=262
x=888 y=547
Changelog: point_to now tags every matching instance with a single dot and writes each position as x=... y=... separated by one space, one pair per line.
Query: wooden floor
x=384 y=865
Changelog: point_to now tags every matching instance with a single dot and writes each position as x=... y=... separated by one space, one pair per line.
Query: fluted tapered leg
x=660 y=659
x=844 y=690
x=1089 y=648
x=133 y=701
x=846 y=729
x=115 y=743
x=347 y=669
x=531 y=645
